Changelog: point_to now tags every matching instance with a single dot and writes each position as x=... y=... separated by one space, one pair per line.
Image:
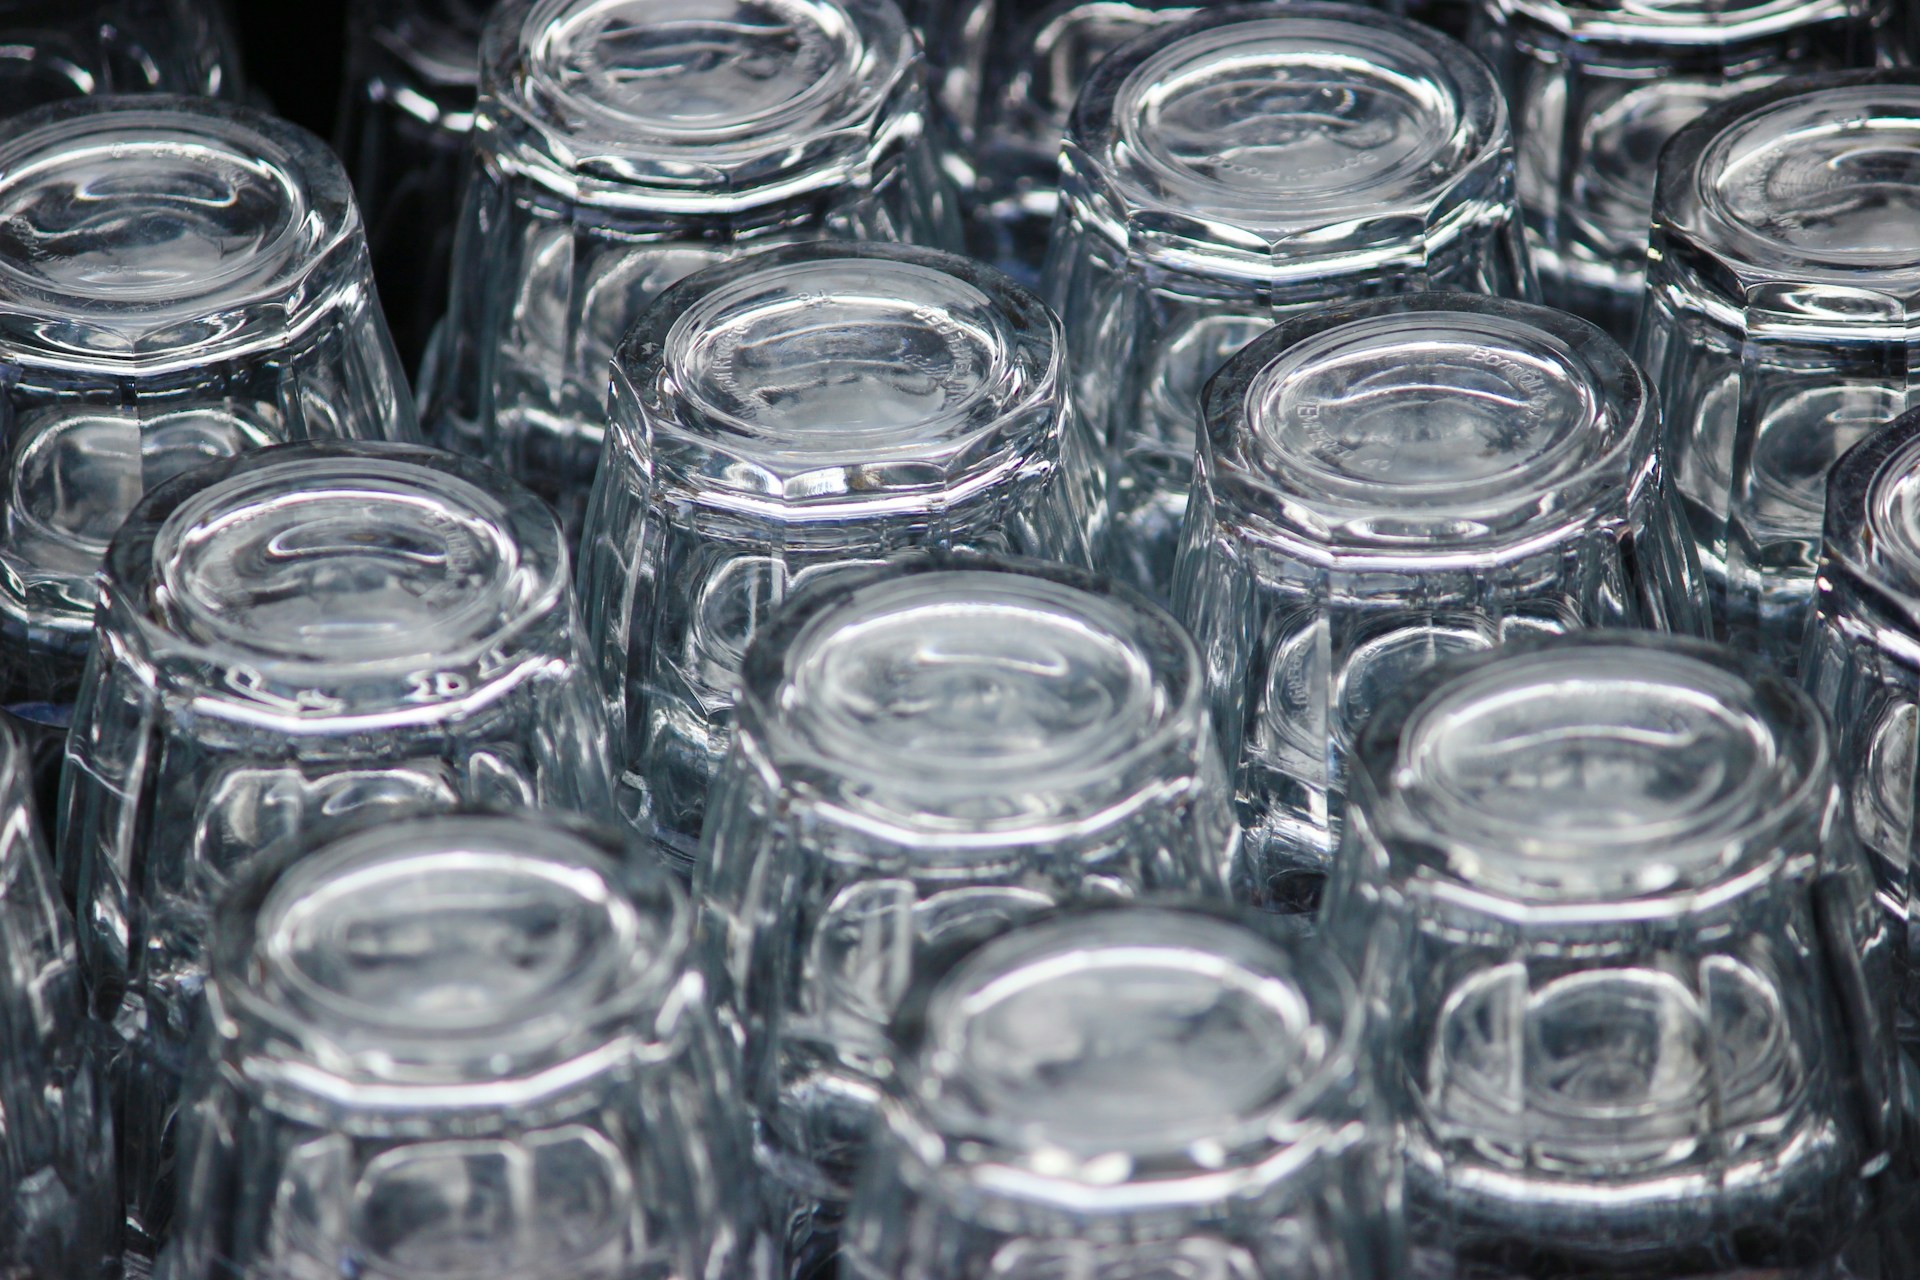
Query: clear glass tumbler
x=59 y=1207
x=1006 y=74
x=1597 y=88
x=1863 y=667
x=182 y=280
x=465 y=1045
x=928 y=752
x=304 y=638
x=1248 y=163
x=784 y=415
x=413 y=77
x=623 y=144
x=53 y=50
x=1125 y=1095
x=1605 y=895
x=1779 y=319
x=1382 y=484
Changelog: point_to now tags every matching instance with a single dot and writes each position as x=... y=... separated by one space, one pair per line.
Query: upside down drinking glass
x=1384 y=483
x=1005 y=77
x=305 y=638
x=777 y=418
x=53 y=50
x=1863 y=667
x=1122 y=1094
x=623 y=144
x=413 y=74
x=466 y=1045
x=183 y=280
x=1240 y=166
x=1779 y=322
x=59 y=1211
x=928 y=752
x=1634 y=986
x=1597 y=87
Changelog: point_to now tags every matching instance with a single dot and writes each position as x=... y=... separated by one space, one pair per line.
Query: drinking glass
x=1597 y=87
x=1863 y=667
x=1129 y=1094
x=784 y=415
x=925 y=752
x=1603 y=892
x=183 y=279
x=623 y=144
x=1005 y=76
x=52 y=50
x=413 y=74
x=59 y=1211
x=1384 y=483
x=466 y=1045
x=1778 y=323
x=300 y=639
x=1247 y=163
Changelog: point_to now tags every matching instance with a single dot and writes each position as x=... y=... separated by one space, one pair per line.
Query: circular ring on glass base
x=1777 y=325
x=780 y=417
x=471 y=1040
x=185 y=280
x=1598 y=88
x=305 y=639
x=1144 y=1091
x=625 y=144
x=926 y=753
x=1632 y=971
x=1386 y=483
x=1248 y=163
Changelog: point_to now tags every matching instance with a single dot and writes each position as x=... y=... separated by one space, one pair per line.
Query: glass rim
x=319 y=221
x=592 y=153
x=1305 y=1112
x=1715 y=854
x=1509 y=516
x=843 y=784
x=710 y=458
x=295 y=688
x=1143 y=190
x=1689 y=205
x=553 y=1049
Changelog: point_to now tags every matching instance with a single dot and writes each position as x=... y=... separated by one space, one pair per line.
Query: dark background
x=294 y=52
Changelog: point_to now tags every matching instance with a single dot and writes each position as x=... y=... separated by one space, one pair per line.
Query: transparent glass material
x=183 y=280
x=1251 y=162
x=1779 y=322
x=1605 y=895
x=53 y=50
x=413 y=76
x=1863 y=667
x=787 y=414
x=1006 y=74
x=1597 y=89
x=1382 y=484
x=59 y=1211
x=925 y=753
x=1135 y=1093
x=309 y=637
x=623 y=144
x=466 y=1045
